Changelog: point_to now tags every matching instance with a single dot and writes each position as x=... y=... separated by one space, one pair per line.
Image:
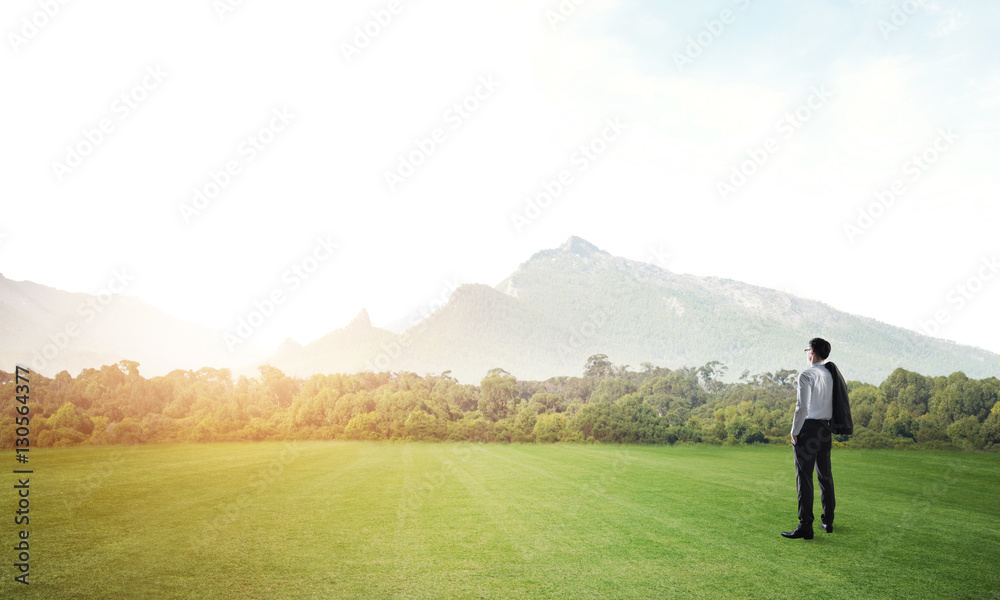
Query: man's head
x=819 y=349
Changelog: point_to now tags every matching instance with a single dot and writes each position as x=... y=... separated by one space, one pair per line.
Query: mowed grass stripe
x=380 y=520
x=308 y=534
x=197 y=517
x=528 y=513
x=622 y=536
x=729 y=530
x=714 y=508
x=642 y=487
x=923 y=518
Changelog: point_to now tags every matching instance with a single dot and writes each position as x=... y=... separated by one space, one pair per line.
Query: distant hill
x=674 y=320
x=557 y=309
x=353 y=349
x=49 y=330
x=566 y=304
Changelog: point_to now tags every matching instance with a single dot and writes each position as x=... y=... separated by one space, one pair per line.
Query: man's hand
x=795 y=439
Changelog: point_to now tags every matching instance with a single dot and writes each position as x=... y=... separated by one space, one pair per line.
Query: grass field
x=380 y=520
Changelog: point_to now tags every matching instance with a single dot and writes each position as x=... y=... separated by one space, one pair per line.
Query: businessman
x=812 y=439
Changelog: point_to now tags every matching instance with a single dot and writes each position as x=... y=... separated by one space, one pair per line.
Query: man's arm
x=803 y=387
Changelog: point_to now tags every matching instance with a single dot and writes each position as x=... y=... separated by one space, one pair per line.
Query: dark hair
x=820 y=347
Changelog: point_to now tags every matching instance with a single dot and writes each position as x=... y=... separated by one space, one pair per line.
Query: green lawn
x=381 y=520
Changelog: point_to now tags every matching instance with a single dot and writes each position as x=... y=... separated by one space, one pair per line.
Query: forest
x=607 y=404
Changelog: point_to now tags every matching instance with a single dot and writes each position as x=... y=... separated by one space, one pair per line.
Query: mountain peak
x=290 y=342
x=580 y=246
x=362 y=321
x=289 y=347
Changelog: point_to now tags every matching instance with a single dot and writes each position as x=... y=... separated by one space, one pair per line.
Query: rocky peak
x=580 y=246
x=361 y=322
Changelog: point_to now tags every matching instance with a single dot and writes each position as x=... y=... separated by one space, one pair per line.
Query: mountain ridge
x=51 y=330
x=545 y=319
x=565 y=304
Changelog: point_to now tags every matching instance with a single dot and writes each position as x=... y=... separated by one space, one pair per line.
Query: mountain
x=353 y=349
x=556 y=310
x=566 y=304
x=482 y=326
x=50 y=330
x=673 y=320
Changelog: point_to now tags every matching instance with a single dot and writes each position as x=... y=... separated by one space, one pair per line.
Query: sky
x=288 y=164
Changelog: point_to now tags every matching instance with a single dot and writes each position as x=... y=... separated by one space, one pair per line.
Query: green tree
x=365 y=426
x=550 y=427
x=911 y=390
x=611 y=389
x=711 y=375
x=899 y=422
x=422 y=426
x=991 y=428
x=598 y=366
x=67 y=417
x=551 y=402
x=280 y=386
x=524 y=424
x=594 y=422
x=499 y=393
x=967 y=433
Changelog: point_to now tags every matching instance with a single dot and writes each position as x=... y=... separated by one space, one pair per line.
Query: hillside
x=51 y=330
x=545 y=319
x=353 y=349
x=674 y=320
x=566 y=304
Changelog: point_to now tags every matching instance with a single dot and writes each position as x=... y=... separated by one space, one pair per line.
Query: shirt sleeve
x=803 y=391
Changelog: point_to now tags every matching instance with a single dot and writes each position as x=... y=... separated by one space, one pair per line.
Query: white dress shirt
x=814 y=396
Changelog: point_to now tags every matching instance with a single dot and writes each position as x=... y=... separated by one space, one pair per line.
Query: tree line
x=607 y=404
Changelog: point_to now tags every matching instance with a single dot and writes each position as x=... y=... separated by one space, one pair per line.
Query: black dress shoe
x=805 y=533
x=827 y=527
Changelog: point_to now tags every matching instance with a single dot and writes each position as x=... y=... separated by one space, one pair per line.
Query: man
x=812 y=439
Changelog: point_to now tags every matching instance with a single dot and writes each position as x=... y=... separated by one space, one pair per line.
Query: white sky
x=884 y=95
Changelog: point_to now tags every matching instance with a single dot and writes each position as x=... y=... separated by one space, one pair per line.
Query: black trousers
x=812 y=451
